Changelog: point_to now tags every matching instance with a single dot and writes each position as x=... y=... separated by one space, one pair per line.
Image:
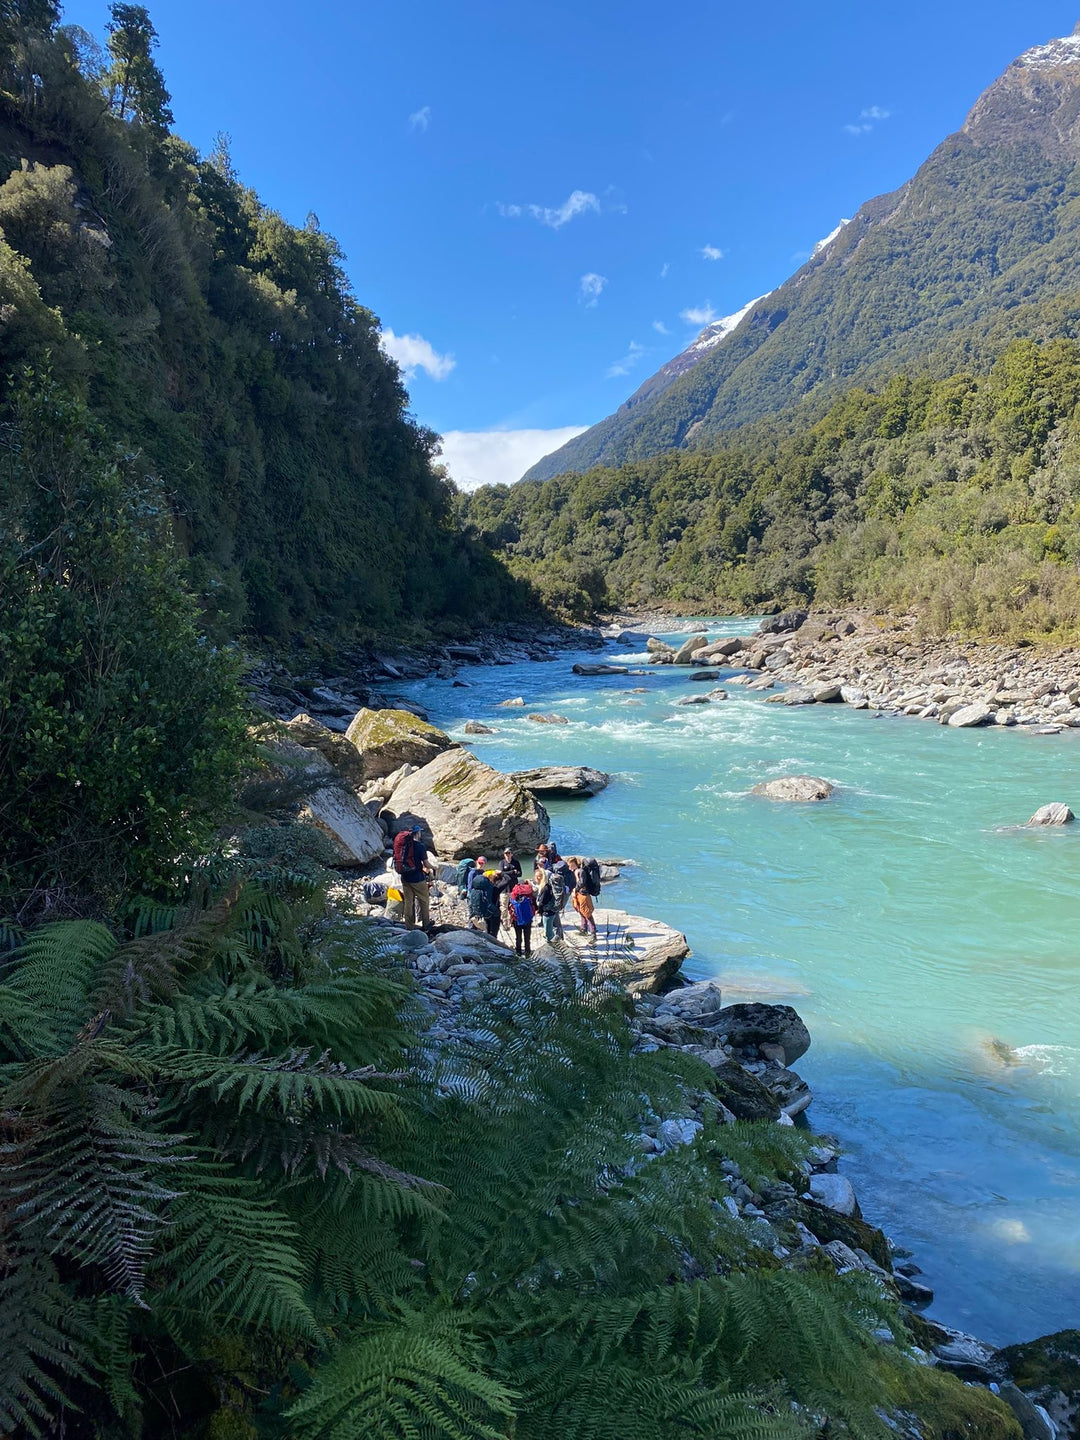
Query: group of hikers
x=498 y=895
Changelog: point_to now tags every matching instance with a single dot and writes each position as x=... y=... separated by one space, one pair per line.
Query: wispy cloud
x=578 y=202
x=626 y=364
x=498 y=457
x=698 y=314
x=664 y=270
x=591 y=288
x=413 y=352
x=420 y=119
x=660 y=327
x=868 y=118
x=711 y=252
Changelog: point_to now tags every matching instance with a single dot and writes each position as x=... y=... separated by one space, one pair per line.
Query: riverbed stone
x=1053 y=814
x=476 y=727
x=752 y=1024
x=584 y=669
x=826 y=691
x=539 y=718
x=969 y=716
x=468 y=808
x=686 y=649
x=797 y=695
x=563 y=782
x=835 y=1192
x=794 y=788
x=517 y=703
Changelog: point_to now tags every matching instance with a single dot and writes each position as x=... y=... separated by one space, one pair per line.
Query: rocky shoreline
x=385 y=768
x=883 y=665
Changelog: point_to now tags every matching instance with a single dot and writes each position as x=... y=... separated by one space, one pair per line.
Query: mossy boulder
x=856 y=1233
x=314 y=735
x=467 y=808
x=743 y=1093
x=388 y=739
x=1048 y=1370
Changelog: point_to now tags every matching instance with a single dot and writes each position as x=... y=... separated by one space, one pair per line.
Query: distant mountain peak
x=1065 y=50
x=824 y=244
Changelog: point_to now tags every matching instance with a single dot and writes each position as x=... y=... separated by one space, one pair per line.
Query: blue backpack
x=522 y=907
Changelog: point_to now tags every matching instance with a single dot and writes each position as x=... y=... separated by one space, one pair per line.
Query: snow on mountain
x=715 y=332
x=823 y=244
x=1065 y=50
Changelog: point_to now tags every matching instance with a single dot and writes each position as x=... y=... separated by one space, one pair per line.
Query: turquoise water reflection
x=930 y=946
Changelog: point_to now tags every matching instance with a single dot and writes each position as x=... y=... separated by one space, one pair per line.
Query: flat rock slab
x=644 y=954
x=563 y=782
x=1054 y=814
x=794 y=788
x=970 y=715
x=600 y=670
x=539 y=719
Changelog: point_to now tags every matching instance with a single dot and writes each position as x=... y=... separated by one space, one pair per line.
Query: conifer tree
x=134 y=84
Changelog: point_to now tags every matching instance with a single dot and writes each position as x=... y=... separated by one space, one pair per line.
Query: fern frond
x=45 y=1345
x=57 y=967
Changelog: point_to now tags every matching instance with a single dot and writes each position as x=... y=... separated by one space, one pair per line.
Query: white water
x=929 y=944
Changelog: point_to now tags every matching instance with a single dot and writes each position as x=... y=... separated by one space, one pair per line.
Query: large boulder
x=743 y=1094
x=1053 y=814
x=466 y=808
x=563 y=782
x=782 y=624
x=645 y=955
x=314 y=735
x=752 y=1025
x=388 y=739
x=794 y=788
x=970 y=715
x=330 y=804
x=719 y=648
x=835 y=1192
x=686 y=649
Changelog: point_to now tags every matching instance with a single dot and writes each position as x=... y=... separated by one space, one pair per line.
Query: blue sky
x=543 y=202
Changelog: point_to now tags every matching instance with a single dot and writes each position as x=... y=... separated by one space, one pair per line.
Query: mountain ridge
x=988 y=219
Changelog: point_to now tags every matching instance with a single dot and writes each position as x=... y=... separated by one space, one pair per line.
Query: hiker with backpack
x=522 y=913
x=465 y=870
x=583 y=899
x=509 y=875
x=483 y=899
x=563 y=874
x=411 y=864
x=550 y=898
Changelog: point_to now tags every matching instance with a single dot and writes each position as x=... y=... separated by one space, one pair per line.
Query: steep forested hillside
x=959 y=496
x=981 y=246
x=218 y=340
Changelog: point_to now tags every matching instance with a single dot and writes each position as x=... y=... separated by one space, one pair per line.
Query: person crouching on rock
x=547 y=901
x=522 y=912
x=483 y=901
x=411 y=864
x=582 y=901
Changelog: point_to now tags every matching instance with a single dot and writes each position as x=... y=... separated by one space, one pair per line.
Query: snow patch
x=1063 y=51
x=719 y=329
x=824 y=244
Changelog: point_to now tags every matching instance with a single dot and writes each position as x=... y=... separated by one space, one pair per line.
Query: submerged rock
x=516 y=704
x=1053 y=814
x=388 y=739
x=539 y=719
x=600 y=669
x=467 y=807
x=474 y=727
x=794 y=788
x=565 y=782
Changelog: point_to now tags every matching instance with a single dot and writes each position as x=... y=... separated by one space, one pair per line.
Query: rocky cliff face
x=982 y=245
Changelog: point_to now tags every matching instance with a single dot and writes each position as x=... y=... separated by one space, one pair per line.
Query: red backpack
x=404 y=852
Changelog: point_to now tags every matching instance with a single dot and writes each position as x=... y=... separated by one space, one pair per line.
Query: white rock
x=970 y=715
x=1053 y=814
x=835 y=1192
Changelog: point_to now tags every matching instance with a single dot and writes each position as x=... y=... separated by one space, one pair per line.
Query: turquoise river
x=929 y=943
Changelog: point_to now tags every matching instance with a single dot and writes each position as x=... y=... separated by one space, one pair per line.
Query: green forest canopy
x=222 y=343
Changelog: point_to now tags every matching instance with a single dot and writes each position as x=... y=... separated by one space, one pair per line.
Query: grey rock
x=468 y=808
x=694 y=700
x=564 y=782
x=749 y=1025
x=835 y=1192
x=795 y=788
x=777 y=660
x=333 y=808
x=516 y=704
x=970 y=715
x=826 y=691
x=314 y=735
x=797 y=695
x=1053 y=814
x=474 y=727
x=388 y=739
x=580 y=669
x=686 y=649
x=783 y=623
x=539 y=719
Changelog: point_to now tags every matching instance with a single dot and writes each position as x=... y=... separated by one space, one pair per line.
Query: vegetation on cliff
x=221 y=343
x=959 y=497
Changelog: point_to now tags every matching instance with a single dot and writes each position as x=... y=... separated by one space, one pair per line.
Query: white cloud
x=867 y=119
x=578 y=202
x=710 y=252
x=413 y=352
x=698 y=314
x=591 y=287
x=420 y=119
x=664 y=270
x=660 y=327
x=498 y=457
x=626 y=364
